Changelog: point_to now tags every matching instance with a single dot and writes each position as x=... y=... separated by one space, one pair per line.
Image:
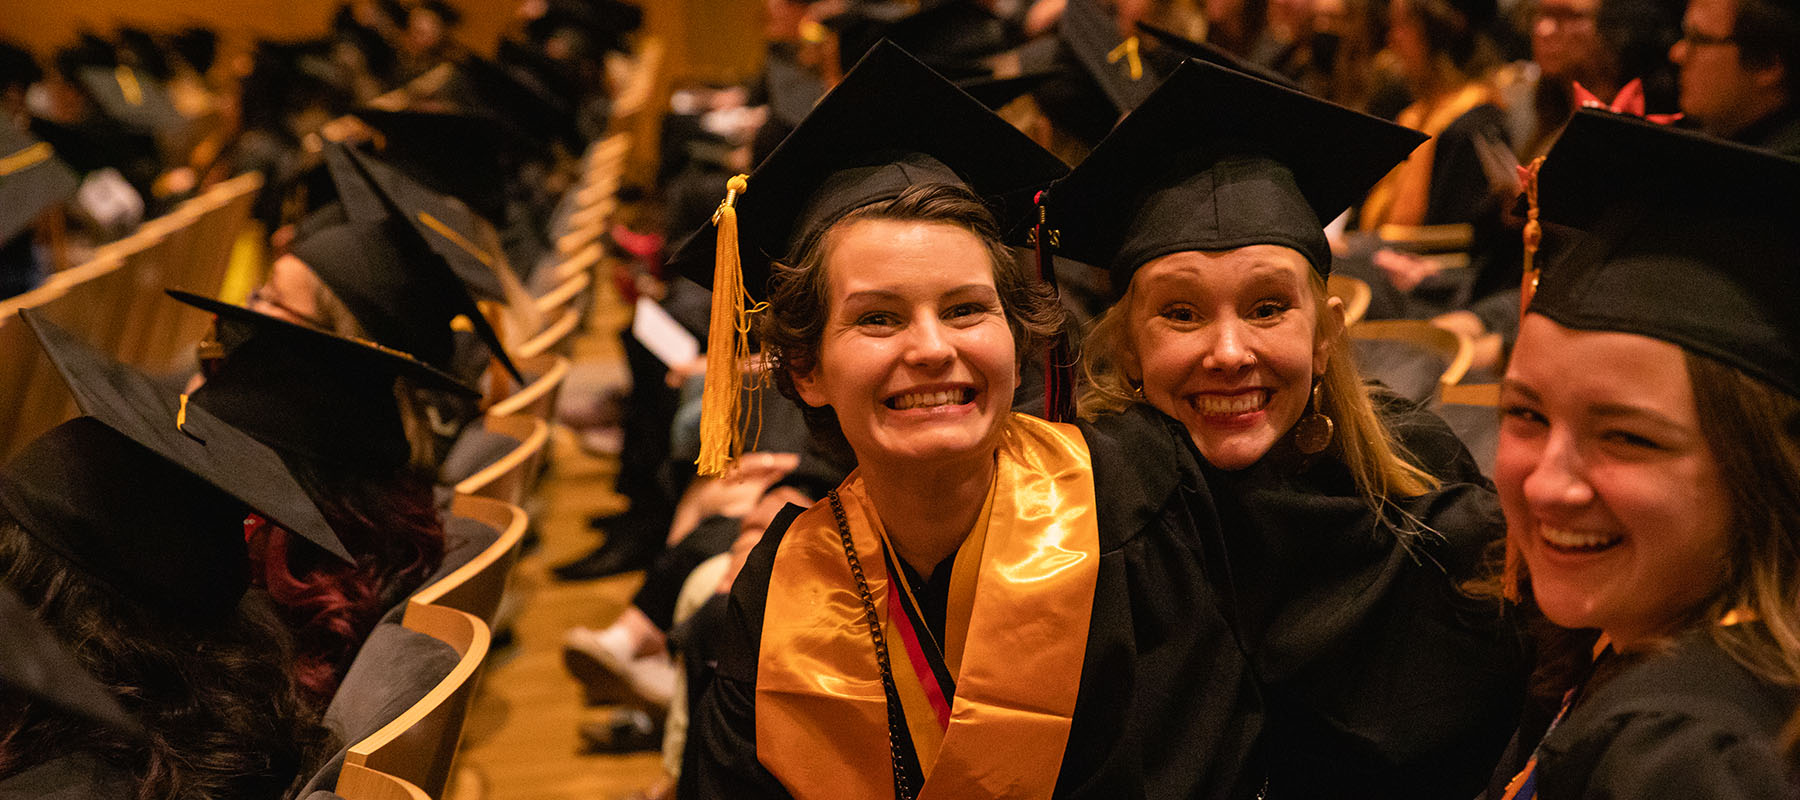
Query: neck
x=929 y=512
x=1753 y=112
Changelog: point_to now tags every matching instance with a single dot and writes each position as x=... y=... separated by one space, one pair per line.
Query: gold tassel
x=727 y=339
x=1533 y=234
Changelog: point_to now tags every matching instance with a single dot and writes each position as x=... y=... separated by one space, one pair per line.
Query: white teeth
x=1575 y=539
x=1234 y=404
x=927 y=399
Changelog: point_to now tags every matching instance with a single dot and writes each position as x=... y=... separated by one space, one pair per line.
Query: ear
x=1331 y=332
x=807 y=386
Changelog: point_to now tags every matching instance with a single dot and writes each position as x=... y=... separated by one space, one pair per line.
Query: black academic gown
x=1166 y=706
x=1689 y=722
x=77 y=776
x=1381 y=679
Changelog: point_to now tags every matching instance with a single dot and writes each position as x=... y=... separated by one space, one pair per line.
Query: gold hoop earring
x=1312 y=434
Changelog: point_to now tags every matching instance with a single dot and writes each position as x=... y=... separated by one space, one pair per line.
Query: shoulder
x=1139 y=464
x=77 y=776
x=749 y=596
x=1688 y=722
x=1428 y=442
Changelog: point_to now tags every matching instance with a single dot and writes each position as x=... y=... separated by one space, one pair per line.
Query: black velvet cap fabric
x=459 y=155
x=1215 y=160
x=149 y=494
x=304 y=391
x=1686 y=238
x=1172 y=47
x=949 y=36
x=32 y=179
x=892 y=123
x=489 y=88
x=132 y=98
x=399 y=285
x=35 y=662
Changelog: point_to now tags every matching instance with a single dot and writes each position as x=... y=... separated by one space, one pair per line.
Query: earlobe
x=1331 y=331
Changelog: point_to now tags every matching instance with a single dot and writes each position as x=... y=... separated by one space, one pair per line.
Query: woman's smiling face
x=1228 y=344
x=1610 y=490
x=916 y=358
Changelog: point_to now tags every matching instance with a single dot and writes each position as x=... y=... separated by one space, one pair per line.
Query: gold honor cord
x=128 y=85
x=29 y=156
x=456 y=238
x=1128 y=50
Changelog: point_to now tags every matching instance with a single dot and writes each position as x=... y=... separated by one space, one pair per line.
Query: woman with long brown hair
x=1647 y=466
x=991 y=605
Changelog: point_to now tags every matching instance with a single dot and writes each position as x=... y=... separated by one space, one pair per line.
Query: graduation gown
x=1688 y=722
x=77 y=776
x=1165 y=707
x=1381 y=678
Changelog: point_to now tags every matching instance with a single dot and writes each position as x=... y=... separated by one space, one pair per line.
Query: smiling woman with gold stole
x=992 y=605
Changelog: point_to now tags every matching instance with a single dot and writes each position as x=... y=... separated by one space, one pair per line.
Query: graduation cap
x=132 y=98
x=495 y=90
x=995 y=93
x=1094 y=75
x=947 y=36
x=18 y=67
x=94 y=145
x=32 y=179
x=1686 y=238
x=890 y=125
x=302 y=390
x=1174 y=47
x=398 y=285
x=147 y=54
x=554 y=77
x=148 y=493
x=36 y=663
x=793 y=88
x=198 y=46
x=1215 y=160
x=451 y=154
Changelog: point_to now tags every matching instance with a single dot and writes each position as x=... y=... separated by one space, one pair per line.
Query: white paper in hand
x=662 y=335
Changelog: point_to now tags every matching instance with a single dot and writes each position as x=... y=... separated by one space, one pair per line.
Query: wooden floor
x=521 y=742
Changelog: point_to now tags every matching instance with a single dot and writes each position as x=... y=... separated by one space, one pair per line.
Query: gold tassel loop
x=1128 y=50
x=727 y=342
x=1533 y=234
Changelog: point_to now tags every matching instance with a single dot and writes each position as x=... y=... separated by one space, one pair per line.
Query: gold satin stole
x=1015 y=638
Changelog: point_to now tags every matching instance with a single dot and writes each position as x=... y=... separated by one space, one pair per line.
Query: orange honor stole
x=1015 y=636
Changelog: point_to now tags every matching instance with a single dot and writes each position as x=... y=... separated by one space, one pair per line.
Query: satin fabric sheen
x=821 y=712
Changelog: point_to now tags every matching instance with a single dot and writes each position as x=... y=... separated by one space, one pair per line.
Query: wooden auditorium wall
x=45 y=25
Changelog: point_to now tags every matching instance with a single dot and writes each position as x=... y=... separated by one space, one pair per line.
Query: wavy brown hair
x=223 y=713
x=798 y=293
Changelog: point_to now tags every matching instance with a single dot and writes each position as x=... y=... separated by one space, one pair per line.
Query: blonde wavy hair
x=1378 y=463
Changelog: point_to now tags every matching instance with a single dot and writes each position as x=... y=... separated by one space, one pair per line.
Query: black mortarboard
x=198 y=46
x=890 y=125
x=32 y=179
x=145 y=52
x=497 y=91
x=1173 y=47
x=35 y=662
x=444 y=11
x=18 y=67
x=1686 y=238
x=1089 y=68
x=97 y=144
x=793 y=88
x=316 y=394
x=133 y=99
x=148 y=493
x=995 y=93
x=398 y=285
x=949 y=36
x=554 y=77
x=1216 y=160
x=451 y=154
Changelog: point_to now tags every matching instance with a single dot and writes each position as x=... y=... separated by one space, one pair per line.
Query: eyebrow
x=1604 y=410
x=884 y=294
